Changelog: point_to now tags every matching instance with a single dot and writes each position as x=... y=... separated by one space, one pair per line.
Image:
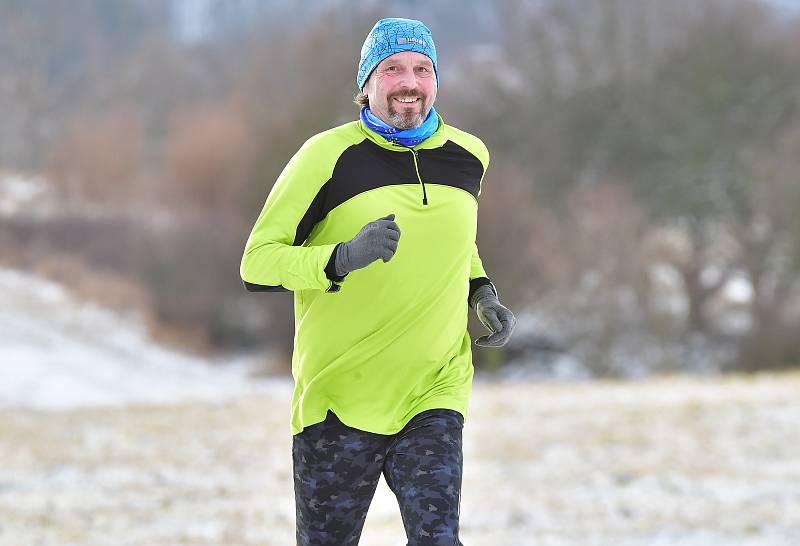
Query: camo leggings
x=337 y=469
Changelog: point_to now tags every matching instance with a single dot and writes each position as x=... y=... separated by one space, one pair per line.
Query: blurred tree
x=770 y=242
x=50 y=51
x=726 y=95
x=211 y=153
x=612 y=126
x=96 y=158
x=661 y=97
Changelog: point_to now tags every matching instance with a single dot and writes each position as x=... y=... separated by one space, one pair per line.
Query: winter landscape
x=107 y=439
x=639 y=217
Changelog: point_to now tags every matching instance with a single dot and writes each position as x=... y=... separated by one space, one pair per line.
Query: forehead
x=406 y=57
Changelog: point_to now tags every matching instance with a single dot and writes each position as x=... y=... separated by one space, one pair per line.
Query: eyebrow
x=426 y=62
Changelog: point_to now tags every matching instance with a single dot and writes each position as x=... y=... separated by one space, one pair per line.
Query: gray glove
x=376 y=240
x=497 y=318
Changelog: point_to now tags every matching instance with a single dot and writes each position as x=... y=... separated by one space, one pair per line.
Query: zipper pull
x=416 y=168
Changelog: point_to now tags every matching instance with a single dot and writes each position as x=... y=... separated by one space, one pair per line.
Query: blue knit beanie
x=390 y=36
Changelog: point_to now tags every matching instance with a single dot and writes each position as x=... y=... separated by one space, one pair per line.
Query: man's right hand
x=376 y=240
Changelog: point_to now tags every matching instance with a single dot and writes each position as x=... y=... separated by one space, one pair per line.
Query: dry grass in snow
x=668 y=461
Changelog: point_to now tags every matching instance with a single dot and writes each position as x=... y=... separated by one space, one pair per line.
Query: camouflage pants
x=337 y=469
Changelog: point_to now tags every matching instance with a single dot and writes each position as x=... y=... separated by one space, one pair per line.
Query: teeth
x=407 y=100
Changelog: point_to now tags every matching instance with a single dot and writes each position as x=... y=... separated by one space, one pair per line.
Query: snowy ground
x=57 y=352
x=668 y=462
x=106 y=440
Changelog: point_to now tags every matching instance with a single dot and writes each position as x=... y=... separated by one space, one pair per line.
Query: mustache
x=407 y=94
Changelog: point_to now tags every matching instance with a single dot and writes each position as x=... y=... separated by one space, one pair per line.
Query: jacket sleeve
x=476 y=269
x=275 y=258
x=477 y=275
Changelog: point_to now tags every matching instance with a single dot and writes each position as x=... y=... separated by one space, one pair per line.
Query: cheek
x=385 y=81
x=428 y=84
x=430 y=89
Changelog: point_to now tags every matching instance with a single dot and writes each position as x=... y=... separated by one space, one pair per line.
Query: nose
x=408 y=79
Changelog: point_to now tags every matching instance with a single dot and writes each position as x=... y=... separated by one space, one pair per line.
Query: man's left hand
x=495 y=316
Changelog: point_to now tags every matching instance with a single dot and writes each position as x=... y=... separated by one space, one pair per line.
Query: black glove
x=376 y=240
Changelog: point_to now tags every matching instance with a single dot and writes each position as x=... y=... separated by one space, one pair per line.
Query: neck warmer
x=404 y=137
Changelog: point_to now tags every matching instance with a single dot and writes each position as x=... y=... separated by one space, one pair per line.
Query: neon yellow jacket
x=390 y=340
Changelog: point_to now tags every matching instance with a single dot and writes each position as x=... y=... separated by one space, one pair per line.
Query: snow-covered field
x=58 y=352
x=668 y=462
x=107 y=440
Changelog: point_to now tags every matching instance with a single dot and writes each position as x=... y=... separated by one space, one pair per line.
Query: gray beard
x=409 y=121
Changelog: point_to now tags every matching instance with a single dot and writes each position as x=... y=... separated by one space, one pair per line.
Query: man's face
x=398 y=78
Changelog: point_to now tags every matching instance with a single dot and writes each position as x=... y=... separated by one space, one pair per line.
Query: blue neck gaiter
x=405 y=137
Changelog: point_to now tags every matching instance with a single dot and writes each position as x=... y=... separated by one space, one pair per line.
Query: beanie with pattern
x=390 y=36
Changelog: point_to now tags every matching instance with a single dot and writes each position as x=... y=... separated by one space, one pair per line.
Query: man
x=382 y=360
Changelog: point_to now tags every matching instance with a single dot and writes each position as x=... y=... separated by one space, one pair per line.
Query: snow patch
x=18 y=192
x=57 y=352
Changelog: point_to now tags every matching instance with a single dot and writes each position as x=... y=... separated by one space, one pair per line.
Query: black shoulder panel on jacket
x=366 y=166
x=451 y=165
x=313 y=214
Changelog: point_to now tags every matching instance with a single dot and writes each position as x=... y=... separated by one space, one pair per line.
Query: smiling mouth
x=407 y=101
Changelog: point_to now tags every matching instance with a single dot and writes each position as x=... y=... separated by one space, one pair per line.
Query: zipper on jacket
x=416 y=168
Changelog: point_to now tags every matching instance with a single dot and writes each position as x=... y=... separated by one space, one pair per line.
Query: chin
x=403 y=122
x=406 y=121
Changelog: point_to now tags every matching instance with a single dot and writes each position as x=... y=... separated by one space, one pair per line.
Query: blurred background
x=640 y=214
